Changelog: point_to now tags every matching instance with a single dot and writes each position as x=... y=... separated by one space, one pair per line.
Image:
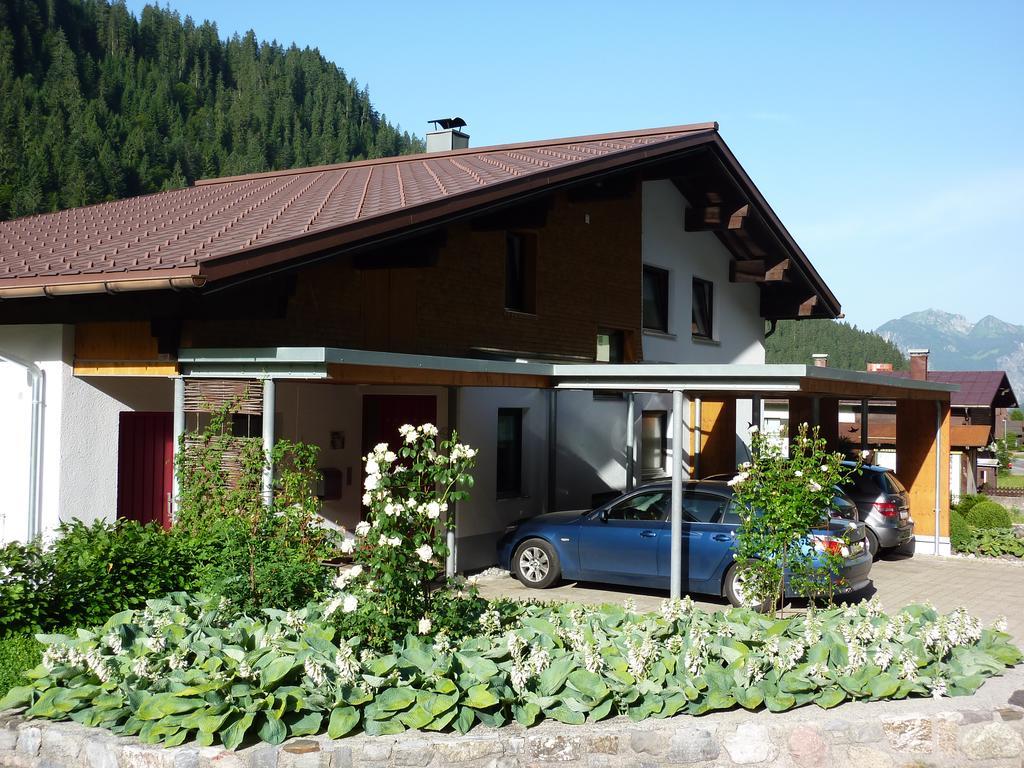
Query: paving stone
x=186 y=758
x=836 y=731
x=412 y=752
x=1017 y=698
x=142 y=756
x=947 y=729
x=808 y=747
x=466 y=750
x=375 y=751
x=339 y=756
x=866 y=757
x=648 y=742
x=99 y=754
x=909 y=734
x=262 y=756
x=971 y=716
x=29 y=740
x=750 y=743
x=554 y=749
x=605 y=744
x=861 y=733
x=8 y=739
x=690 y=745
x=1010 y=713
x=993 y=740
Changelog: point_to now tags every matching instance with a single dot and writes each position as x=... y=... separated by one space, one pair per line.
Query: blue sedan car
x=628 y=541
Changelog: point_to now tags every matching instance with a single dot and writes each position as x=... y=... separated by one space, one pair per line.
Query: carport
x=703 y=415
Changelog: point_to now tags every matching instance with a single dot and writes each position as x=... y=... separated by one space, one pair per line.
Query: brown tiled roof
x=979 y=389
x=225 y=226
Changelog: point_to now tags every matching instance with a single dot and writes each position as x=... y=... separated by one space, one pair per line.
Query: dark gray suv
x=884 y=507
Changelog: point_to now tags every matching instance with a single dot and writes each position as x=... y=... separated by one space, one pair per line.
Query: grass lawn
x=1010 y=481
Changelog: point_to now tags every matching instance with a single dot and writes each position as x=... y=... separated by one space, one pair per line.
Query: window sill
x=659 y=334
x=521 y=313
x=709 y=342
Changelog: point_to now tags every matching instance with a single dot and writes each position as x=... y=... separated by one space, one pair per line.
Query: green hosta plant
x=781 y=500
x=400 y=549
x=192 y=668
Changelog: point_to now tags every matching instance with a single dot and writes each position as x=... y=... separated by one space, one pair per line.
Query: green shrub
x=18 y=653
x=88 y=573
x=960 y=531
x=184 y=668
x=968 y=501
x=994 y=542
x=989 y=515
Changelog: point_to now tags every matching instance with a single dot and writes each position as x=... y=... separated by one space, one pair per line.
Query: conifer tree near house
x=96 y=104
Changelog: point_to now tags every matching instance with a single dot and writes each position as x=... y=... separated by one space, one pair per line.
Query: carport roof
x=362 y=366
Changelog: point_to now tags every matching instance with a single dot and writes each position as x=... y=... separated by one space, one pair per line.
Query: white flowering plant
x=401 y=546
x=780 y=501
x=193 y=668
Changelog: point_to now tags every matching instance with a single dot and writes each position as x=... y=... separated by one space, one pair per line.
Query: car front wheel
x=535 y=564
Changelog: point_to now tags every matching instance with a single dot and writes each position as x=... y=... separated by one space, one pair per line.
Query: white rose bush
x=400 y=549
x=780 y=501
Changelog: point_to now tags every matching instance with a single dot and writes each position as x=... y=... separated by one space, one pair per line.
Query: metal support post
x=630 y=440
x=676 y=579
x=179 y=431
x=450 y=538
x=938 y=470
x=269 y=397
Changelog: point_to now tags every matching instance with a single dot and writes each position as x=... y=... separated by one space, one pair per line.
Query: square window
x=520 y=272
x=653 y=443
x=656 y=299
x=611 y=347
x=703 y=309
x=510 y=453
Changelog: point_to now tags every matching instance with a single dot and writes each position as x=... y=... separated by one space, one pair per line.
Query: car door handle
x=722 y=537
x=648 y=534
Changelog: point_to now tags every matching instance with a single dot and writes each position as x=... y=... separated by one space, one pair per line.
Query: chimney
x=918 y=364
x=446 y=135
x=820 y=359
x=879 y=367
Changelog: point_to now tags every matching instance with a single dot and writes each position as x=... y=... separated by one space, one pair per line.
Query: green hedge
x=960 y=531
x=17 y=654
x=968 y=501
x=187 y=668
x=989 y=515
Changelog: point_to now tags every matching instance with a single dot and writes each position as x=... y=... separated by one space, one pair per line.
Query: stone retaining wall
x=939 y=733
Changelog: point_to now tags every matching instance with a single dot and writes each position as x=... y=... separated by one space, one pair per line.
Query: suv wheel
x=872 y=542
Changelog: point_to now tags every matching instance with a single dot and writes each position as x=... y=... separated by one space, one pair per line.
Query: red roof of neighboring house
x=221 y=228
x=979 y=389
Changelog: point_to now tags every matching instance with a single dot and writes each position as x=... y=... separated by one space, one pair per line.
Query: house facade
x=500 y=291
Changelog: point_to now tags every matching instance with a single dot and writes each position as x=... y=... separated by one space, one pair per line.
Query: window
x=520 y=272
x=703 y=507
x=650 y=507
x=703 y=309
x=611 y=347
x=510 y=453
x=653 y=443
x=656 y=299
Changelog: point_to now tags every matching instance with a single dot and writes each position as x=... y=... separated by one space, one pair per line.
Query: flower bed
x=188 y=668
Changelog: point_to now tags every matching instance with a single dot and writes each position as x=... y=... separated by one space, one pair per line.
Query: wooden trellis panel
x=211 y=395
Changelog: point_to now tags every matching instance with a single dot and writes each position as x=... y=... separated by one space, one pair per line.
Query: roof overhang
x=334 y=364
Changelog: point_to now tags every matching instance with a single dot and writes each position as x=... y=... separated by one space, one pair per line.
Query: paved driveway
x=988 y=589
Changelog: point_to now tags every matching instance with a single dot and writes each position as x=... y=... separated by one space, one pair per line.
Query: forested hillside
x=96 y=104
x=794 y=341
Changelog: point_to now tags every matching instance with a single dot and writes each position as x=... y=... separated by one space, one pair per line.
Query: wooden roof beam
x=715 y=218
x=758 y=271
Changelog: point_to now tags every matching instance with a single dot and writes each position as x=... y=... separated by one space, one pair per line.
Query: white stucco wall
x=79 y=435
x=737 y=326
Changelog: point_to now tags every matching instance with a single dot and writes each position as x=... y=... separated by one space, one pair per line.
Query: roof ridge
x=686 y=128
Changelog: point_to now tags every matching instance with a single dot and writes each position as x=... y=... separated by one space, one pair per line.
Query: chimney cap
x=917 y=352
x=446 y=123
x=820 y=354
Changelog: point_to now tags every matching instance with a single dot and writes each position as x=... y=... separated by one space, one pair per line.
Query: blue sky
x=888 y=136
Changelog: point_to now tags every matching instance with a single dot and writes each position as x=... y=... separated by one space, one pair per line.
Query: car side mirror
x=604 y=515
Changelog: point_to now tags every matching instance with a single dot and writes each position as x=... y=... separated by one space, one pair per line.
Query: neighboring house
x=542 y=298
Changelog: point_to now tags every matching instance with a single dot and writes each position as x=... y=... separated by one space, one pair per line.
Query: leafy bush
x=993 y=543
x=17 y=654
x=253 y=553
x=968 y=501
x=88 y=573
x=988 y=515
x=781 y=499
x=187 y=668
x=960 y=531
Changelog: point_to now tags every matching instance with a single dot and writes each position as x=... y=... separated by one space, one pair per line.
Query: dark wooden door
x=384 y=414
x=145 y=467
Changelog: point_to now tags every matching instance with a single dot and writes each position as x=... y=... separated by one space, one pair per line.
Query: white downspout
x=37 y=380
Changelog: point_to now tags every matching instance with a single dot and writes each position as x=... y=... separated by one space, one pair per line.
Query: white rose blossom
x=425 y=553
x=424 y=626
x=362 y=528
x=371 y=482
x=349 y=604
x=347 y=546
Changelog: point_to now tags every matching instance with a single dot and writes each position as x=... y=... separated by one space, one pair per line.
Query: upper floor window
x=703 y=309
x=520 y=272
x=656 y=299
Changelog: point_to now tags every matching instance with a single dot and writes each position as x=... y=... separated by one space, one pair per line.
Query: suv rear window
x=870 y=481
